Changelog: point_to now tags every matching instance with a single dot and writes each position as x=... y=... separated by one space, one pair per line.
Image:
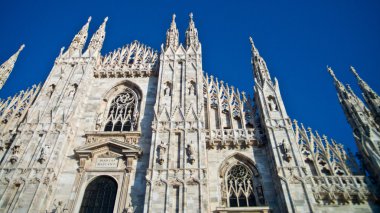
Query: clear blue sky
x=296 y=38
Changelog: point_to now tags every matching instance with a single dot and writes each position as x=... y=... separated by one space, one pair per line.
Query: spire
x=7 y=67
x=365 y=129
x=80 y=39
x=192 y=34
x=356 y=112
x=96 y=42
x=260 y=70
x=172 y=35
x=338 y=85
x=370 y=96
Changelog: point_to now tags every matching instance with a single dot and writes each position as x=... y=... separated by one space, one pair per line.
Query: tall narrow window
x=240 y=190
x=123 y=112
x=99 y=196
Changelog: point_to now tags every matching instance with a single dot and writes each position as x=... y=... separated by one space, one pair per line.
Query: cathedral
x=141 y=130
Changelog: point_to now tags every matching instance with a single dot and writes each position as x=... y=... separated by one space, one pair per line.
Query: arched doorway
x=99 y=196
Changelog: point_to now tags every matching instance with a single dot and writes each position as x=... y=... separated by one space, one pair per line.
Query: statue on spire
x=172 y=38
x=7 y=67
x=80 y=39
x=192 y=34
x=96 y=42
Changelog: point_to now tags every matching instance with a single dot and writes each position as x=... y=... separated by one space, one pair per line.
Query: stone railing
x=255 y=209
x=126 y=137
x=231 y=137
x=125 y=71
x=339 y=189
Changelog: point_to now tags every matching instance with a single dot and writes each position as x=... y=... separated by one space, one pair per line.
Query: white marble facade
x=160 y=135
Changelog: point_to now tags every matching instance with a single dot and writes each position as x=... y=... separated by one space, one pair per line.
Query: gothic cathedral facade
x=138 y=130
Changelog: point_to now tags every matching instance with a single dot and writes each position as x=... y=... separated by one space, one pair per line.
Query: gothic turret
x=96 y=42
x=79 y=40
x=260 y=70
x=192 y=34
x=7 y=67
x=365 y=130
x=172 y=35
x=370 y=96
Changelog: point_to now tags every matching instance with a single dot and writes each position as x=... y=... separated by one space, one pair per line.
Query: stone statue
x=161 y=148
x=50 y=90
x=192 y=88
x=190 y=152
x=167 y=90
x=98 y=121
x=71 y=92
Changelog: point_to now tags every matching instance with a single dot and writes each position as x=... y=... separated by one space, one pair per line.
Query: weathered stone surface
x=172 y=138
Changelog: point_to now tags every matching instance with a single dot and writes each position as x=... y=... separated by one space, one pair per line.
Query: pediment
x=111 y=146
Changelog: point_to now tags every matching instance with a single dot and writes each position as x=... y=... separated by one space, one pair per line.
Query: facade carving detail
x=364 y=122
x=140 y=130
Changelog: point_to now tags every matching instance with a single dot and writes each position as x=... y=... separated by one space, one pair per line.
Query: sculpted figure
x=71 y=92
x=161 y=148
x=99 y=121
x=50 y=90
x=167 y=90
x=190 y=152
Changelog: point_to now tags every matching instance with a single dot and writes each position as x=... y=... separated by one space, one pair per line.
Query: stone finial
x=355 y=73
x=21 y=47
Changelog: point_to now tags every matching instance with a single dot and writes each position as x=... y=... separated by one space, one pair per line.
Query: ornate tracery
x=240 y=189
x=123 y=112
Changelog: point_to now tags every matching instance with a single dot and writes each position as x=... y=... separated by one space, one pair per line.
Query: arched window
x=240 y=189
x=99 y=196
x=123 y=112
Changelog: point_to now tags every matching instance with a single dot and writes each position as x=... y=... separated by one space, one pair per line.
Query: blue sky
x=296 y=38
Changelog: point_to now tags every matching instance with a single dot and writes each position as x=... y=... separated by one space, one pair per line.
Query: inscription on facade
x=106 y=162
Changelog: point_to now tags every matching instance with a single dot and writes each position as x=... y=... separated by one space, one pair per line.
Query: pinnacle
x=355 y=73
x=254 y=49
x=173 y=19
x=251 y=40
x=21 y=47
x=106 y=19
x=331 y=72
x=191 y=16
x=89 y=19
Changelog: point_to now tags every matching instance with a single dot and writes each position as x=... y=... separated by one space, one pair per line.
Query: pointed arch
x=240 y=182
x=237 y=158
x=121 y=107
x=100 y=195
